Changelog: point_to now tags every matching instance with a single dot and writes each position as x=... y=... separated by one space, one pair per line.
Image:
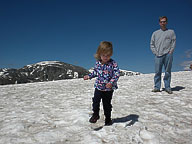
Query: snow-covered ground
x=57 y=112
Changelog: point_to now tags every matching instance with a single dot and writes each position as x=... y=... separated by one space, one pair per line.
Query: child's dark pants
x=106 y=97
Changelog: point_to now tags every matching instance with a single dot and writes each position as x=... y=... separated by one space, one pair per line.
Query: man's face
x=163 y=23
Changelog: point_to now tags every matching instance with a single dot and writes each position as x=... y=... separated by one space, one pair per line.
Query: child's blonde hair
x=105 y=47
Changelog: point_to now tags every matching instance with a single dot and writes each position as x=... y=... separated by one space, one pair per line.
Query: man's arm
x=152 y=44
x=173 y=42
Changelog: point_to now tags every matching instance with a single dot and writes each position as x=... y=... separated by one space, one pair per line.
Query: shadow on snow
x=176 y=88
x=133 y=118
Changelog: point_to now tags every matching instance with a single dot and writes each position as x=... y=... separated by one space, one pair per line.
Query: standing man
x=162 y=45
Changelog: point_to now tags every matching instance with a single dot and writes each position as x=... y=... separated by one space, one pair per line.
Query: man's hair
x=161 y=17
x=105 y=47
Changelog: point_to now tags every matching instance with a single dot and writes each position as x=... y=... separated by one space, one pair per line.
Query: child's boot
x=108 y=122
x=94 y=118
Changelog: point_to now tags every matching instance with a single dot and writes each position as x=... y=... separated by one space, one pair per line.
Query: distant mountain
x=128 y=73
x=123 y=72
x=42 y=71
x=47 y=71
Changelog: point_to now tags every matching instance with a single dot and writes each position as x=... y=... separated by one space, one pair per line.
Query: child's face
x=105 y=57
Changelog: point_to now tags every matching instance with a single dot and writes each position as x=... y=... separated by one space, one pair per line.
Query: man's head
x=163 y=22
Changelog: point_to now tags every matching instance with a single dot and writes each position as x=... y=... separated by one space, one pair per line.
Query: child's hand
x=86 y=77
x=109 y=85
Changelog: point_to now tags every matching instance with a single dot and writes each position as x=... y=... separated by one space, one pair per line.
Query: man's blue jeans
x=160 y=61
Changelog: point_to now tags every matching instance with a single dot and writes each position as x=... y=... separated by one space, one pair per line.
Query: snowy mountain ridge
x=42 y=71
x=47 y=63
x=122 y=72
x=47 y=71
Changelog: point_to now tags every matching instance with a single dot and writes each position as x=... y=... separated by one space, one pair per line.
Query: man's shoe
x=155 y=90
x=108 y=122
x=169 y=91
x=94 y=118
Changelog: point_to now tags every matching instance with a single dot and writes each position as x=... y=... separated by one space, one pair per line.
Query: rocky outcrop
x=43 y=71
x=128 y=73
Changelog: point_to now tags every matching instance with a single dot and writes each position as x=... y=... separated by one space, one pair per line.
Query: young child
x=107 y=72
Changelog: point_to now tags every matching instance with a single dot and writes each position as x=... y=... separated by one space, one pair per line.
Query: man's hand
x=109 y=85
x=171 y=51
x=86 y=77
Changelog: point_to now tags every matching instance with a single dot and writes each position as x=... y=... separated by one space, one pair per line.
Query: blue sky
x=71 y=30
